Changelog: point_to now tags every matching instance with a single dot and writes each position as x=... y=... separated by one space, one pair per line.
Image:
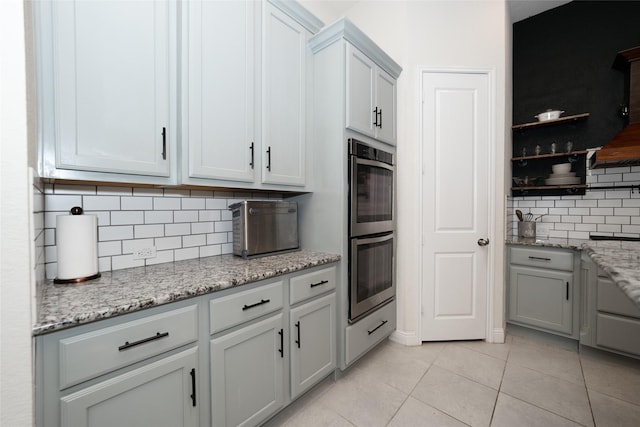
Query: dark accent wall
x=562 y=59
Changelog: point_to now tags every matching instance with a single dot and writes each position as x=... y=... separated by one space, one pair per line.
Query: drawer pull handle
x=567 y=291
x=193 y=387
x=378 y=327
x=322 y=282
x=281 y=350
x=127 y=345
x=539 y=258
x=262 y=301
x=298 y=340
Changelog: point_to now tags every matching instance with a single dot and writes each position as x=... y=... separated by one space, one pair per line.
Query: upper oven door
x=371 y=197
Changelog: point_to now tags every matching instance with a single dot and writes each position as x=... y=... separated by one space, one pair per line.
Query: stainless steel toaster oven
x=264 y=227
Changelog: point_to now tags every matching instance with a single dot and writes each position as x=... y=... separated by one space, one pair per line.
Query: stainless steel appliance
x=371 y=273
x=264 y=227
x=371 y=231
x=370 y=189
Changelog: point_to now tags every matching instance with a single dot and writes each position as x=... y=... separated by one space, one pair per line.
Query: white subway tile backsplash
x=114 y=191
x=185 y=216
x=104 y=217
x=161 y=257
x=166 y=203
x=50 y=254
x=129 y=246
x=194 y=240
x=210 y=250
x=125 y=261
x=127 y=217
x=187 y=253
x=226 y=215
x=177 y=229
x=171 y=192
x=152 y=230
x=222 y=226
x=115 y=232
x=202 y=227
x=100 y=203
x=217 y=238
x=192 y=203
x=164 y=243
x=209 y=215
x=110 y=248
x=74 y=189
x=218 y=204
x=137 y=203
x=202 y=193
x=602 y=211
x=227 y=248
x=148 y=192
x=61 y=202
x=158 y=217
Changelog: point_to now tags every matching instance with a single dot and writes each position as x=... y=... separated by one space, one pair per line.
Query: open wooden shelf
x=546 y=156
x=574 y=118
x=549 y=187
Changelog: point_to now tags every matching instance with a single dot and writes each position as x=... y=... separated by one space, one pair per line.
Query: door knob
x=483 y=242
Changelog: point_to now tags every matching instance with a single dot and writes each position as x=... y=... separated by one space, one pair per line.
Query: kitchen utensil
x=569 y=147
x=561 y=168
x=553 y=148
x=548 y=115
x=528 y=217
x=519 y=215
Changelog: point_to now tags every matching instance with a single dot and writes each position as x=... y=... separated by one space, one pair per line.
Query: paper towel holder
x=76 y=210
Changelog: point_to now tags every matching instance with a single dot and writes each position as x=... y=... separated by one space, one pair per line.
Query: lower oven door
x=371 y=273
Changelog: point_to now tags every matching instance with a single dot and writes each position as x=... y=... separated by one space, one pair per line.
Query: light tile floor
x=531 y=380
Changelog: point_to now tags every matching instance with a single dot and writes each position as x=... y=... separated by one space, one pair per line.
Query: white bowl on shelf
x=563 y=181
x=561 y=168
x=548 y=115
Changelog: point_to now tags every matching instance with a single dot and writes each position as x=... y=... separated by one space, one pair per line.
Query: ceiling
x=523 y=9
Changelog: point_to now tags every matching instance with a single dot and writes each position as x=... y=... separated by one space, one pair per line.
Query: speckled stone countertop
x=620 y=259
x=125 y=291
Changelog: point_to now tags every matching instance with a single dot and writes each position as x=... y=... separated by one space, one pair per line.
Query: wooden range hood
x=624 y=148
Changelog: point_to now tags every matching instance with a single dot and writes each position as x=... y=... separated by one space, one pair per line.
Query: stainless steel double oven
x=371 y=228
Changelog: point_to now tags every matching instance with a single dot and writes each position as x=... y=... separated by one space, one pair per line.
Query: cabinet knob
x=483 y=242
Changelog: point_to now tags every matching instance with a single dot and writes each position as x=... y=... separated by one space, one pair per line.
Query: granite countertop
x=620 y=259
x=125 y=291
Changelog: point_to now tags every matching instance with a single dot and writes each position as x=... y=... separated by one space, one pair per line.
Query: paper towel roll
x=77 y=247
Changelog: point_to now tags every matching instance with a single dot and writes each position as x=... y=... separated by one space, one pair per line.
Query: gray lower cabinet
x=541 y=290
x=158 y=394
x=138 y=369
x=611 y=321
x=247 y=373
x=312 y=342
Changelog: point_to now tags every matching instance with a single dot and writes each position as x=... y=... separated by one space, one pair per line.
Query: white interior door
x=456 y=113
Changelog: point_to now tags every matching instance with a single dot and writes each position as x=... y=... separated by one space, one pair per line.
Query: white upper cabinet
x=371 y=97
x=284 y=98
x=107 y=72
x=219 y=131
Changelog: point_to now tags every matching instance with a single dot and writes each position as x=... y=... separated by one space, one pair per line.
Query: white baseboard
x=405 y=338
x=498 y=336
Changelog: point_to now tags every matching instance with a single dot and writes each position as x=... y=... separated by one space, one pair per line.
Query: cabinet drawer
x=369 y=331
x=238 y=308
x=613 y=300
x=544 y=258
x=311 y=284
x=618 y=333
x=88 y=355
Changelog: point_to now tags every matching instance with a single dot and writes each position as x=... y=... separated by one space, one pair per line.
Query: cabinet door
x=113 y=63
x=386 y=103
x=541 y=298
x=361 y=76
x=221 y=89
x=313 y=343
x=162 y=393
x=285 y=96
x=247 y=368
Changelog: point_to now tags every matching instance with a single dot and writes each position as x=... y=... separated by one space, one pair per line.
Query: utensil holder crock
x=527 y=229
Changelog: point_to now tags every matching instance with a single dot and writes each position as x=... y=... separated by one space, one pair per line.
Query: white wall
x=16 y=376
x=438 y=34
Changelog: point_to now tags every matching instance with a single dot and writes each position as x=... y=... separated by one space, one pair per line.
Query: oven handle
x=376 y=239
x=376 y=163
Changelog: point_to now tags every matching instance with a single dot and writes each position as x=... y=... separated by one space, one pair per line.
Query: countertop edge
x=49 y=323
